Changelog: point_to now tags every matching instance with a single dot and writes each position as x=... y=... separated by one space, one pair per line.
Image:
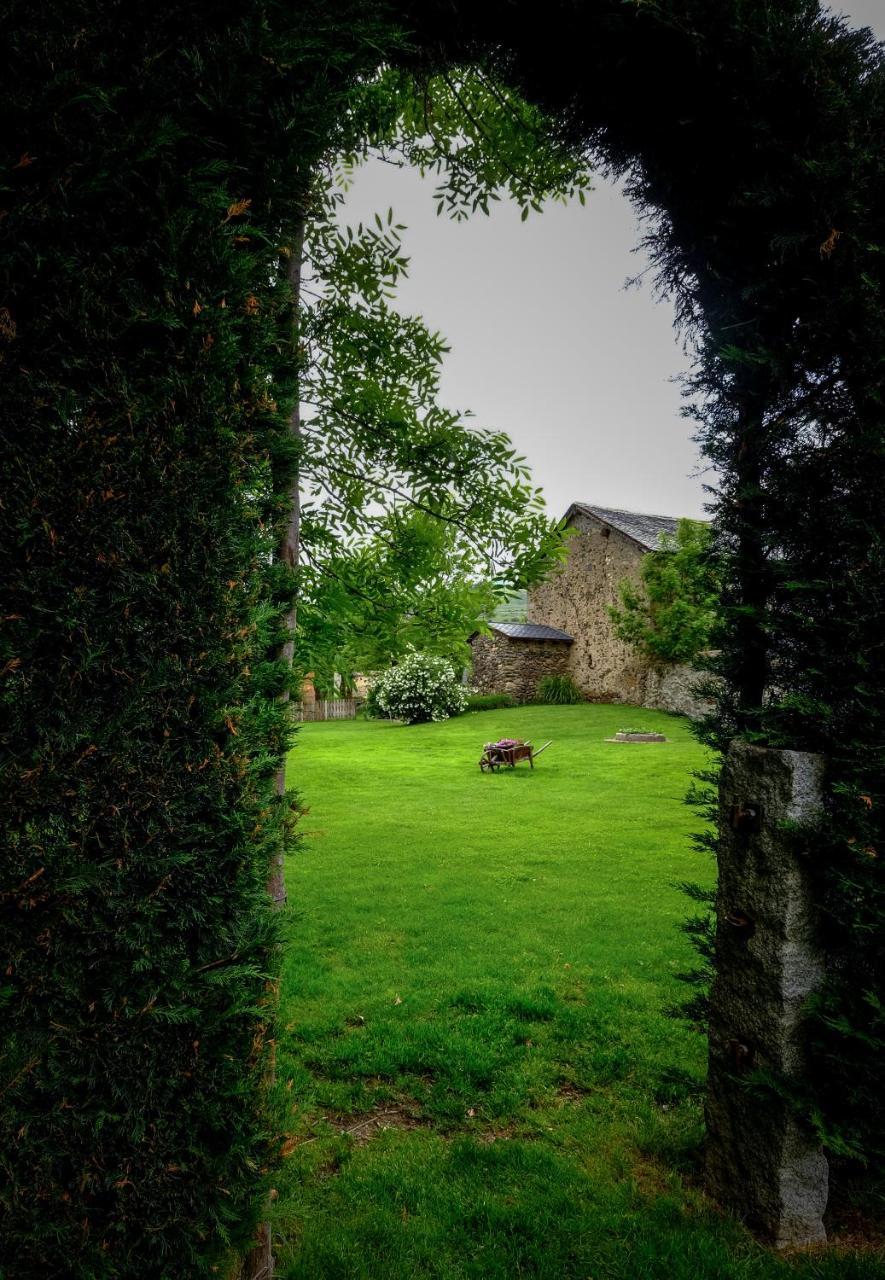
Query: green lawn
x=483 y=1080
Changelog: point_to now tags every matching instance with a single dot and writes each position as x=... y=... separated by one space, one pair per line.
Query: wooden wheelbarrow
x=507 y=753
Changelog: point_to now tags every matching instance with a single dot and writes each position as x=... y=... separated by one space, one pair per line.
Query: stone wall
x=674 y=689
x=576 y=598
x=762 y=1163
x=504 y=665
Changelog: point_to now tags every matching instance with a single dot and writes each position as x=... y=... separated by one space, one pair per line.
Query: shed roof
x=644 y=529
x=530 y=631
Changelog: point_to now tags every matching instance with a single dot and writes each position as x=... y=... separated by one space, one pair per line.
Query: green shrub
x=559 y=690
x=420 y=687
x=489 y=701
x=669 y=616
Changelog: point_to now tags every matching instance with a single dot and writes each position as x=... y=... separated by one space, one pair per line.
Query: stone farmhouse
x=568 y=629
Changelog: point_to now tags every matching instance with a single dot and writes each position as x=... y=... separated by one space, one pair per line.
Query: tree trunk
x=289 y=546
x=259 y=1263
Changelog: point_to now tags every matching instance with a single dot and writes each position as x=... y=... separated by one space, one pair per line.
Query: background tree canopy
x=382 y=460
x=368 y=605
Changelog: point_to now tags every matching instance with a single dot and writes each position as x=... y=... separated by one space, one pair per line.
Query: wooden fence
x=327 y=709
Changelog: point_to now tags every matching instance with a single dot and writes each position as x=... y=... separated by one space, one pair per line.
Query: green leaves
x=478 y=135
x=671 y=613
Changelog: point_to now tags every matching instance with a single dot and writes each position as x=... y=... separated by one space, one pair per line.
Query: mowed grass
x=482 y=1075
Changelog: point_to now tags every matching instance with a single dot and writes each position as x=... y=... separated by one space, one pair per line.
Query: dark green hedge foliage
x=489 y=701
x=154 y=162
x=154 y=158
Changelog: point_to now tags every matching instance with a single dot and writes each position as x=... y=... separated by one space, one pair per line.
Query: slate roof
x=530 y=631
x=644 y=529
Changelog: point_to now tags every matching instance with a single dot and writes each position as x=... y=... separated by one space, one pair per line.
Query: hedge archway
x=155 y=165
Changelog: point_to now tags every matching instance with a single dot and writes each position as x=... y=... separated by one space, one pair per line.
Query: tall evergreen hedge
x=155 y=161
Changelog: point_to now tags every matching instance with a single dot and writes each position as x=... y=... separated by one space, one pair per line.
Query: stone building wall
x=576 y=598
x=505 y=665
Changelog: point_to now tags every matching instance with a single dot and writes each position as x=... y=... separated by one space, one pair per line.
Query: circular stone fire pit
x=626 y=735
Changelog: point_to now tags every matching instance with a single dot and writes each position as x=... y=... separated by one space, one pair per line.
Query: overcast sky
x=547 y=344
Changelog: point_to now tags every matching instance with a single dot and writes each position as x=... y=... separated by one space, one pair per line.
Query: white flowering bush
x=419 y=688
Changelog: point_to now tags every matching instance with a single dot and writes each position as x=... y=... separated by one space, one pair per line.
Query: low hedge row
x=489 y=701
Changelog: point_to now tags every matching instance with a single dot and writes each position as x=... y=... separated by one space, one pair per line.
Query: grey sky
x=546 y=342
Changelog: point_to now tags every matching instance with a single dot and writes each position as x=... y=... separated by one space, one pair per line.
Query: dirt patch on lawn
x=856 y=1231
x=405 y=1116
x=569 y=1093
x=390 y=1115
x=488 y=1136
x=651 y=1177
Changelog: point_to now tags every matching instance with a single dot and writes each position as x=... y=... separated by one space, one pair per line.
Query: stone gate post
x=762 y=1164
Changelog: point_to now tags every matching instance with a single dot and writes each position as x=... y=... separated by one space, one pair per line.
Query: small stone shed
x=513 y=656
